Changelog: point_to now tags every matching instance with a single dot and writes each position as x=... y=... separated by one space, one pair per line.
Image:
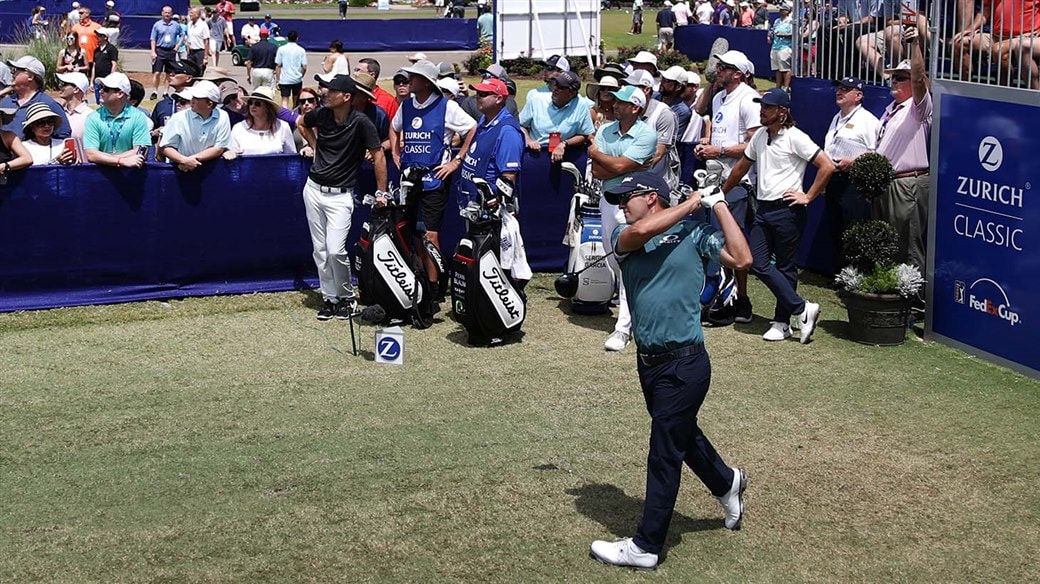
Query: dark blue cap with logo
x=774 y=96
x=849 y=83
x=639 y=181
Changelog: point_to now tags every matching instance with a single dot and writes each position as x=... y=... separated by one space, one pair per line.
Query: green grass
x=235 y=439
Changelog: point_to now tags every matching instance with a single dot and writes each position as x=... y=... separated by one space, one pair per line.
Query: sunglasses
x=180 y=101
x=45 y=122
x=304 y=100
x=624 y=198
x=256 y=103
x=106 y=89
x=400 y=82
x=900 y=78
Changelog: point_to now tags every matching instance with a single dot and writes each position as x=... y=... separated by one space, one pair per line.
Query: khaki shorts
x=666 y=35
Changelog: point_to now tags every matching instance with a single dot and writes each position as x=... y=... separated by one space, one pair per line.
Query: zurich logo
x=416 y=123
x=389 y=348
x=991 y=153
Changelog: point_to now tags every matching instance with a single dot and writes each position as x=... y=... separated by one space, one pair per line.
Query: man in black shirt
x=105 y=57
x=260 y=63
x=665 y=29
x=340 y=137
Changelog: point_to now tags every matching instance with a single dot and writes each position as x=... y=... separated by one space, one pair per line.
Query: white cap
x=730 y=3
x=693 y=78
x=644 y=57
x=106 y=31
x=77 y=79
x=30 y=64
x=117 y=81
x=205 y=90
x=417 y=57
x=640 y=78
x=674 y=73
x=449 y=84
x=110 y=4
x=75 y=4
x=736 y=59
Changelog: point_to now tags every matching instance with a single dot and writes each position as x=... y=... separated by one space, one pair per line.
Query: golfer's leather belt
x=651 y=359
x=912 y=173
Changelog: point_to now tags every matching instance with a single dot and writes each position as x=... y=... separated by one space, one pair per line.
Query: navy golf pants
x=674 y=392
x=775 y=234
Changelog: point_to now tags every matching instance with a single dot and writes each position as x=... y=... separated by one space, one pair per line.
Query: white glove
x=710 y=198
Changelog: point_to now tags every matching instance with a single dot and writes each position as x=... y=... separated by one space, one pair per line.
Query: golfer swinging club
x=662 y=252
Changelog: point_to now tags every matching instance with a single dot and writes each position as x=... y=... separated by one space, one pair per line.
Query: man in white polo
x=734 y=118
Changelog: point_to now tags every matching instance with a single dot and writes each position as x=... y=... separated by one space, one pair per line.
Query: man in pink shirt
x=903 y=139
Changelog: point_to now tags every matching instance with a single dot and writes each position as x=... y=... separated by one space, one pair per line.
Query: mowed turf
x=235 y=439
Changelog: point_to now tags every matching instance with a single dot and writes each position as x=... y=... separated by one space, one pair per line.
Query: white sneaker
x=778 y=331
x=617 y=341
x=733 y=501
x=808 y=319
x=622 y=553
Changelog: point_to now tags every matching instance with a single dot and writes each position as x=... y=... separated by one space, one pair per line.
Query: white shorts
x=780 y=60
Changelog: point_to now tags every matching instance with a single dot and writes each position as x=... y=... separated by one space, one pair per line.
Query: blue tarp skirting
x=98 y=235
x=357 y=35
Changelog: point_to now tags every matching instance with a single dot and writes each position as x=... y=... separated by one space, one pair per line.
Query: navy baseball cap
x=849 y=83
x=774 y=96
x=639 y=181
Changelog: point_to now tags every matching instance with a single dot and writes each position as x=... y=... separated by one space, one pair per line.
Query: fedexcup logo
x=991 y=153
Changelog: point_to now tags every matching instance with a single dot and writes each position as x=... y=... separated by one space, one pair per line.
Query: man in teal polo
x=662 y=251
x=113 y=132
x=619 y=149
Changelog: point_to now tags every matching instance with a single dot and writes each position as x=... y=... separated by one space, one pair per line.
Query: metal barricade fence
x=988 y=42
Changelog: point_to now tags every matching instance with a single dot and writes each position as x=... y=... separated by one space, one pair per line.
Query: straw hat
x=264 y=93
x=36 y=112
x=366 y=83
x=607 y=82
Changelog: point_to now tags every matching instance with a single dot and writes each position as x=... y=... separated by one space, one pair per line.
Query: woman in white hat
x=261 y=132
x=13 y=154
x=38 y=137
x=603 y=110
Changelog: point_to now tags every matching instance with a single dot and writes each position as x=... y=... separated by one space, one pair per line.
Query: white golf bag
x=587 y=263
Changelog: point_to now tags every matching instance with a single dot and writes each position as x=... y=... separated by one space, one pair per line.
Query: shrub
x=868 y=244
x=665 y=59
x=359 y=3
x=45 y=48
x=479 y=59
x=871 y=174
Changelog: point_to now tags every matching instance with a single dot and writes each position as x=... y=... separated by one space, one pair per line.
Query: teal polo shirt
x=541 y=117
x=663 y=281
x=638 y=144
x=116 y=134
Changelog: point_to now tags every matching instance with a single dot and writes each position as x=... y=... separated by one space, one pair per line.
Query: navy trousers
x=774 y=235
x=845 y=207
x=674 y=392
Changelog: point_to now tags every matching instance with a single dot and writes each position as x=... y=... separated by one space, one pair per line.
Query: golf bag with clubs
x=588 y=280
x=390 y=269
x=485 y=298
x=720 y=290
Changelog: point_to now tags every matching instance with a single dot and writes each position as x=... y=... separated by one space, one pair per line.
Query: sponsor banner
x=987 y=228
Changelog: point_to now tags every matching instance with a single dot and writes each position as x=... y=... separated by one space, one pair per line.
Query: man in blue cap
x=852 y=132
x=662 y=251
x=781 y=152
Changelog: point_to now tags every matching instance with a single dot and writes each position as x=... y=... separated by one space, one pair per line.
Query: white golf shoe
x=617 y=341
x=733 y=501
x=778 y=331
x=808 y=319
x=623 y=553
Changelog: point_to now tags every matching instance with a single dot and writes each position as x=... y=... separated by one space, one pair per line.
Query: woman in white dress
x=336 y=62
x=261 y=132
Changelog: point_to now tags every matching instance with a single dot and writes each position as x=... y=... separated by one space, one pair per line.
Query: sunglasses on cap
x=624 y=198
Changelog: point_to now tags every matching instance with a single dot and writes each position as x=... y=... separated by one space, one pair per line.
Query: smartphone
x=70 y=145
x=142 y=151
x=554 y=140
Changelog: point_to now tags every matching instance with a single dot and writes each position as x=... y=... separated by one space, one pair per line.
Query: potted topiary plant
x=870 y=174
x=877 y=292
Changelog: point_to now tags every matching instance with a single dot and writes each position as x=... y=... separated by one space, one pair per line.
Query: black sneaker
x=723 y=316
x=742 y=306
x=328 y=310
x=154 y=96
x=345 y=309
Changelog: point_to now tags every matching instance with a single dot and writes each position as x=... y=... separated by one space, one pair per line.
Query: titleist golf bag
x=486 y=300
x=588 y=280
x=390 y=269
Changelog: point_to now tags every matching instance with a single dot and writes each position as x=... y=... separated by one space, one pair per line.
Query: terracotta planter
x=877 y=319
